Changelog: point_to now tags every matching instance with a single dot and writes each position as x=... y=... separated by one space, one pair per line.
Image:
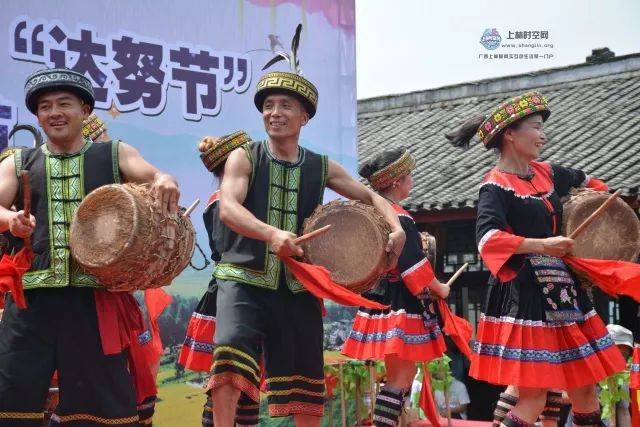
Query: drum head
x=353 y=250
x=614 y=235
x=103 y=226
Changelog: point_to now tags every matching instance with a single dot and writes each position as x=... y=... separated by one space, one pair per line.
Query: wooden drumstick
x=312 y=235
x=26 y=201
x=343 y=399
x=457 y=274
x=595 y=214
x=190 y=208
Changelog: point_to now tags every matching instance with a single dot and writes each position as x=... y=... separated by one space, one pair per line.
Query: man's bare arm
x=234 y=187
x=136 y=169
x=15 y=222
x=133 y=167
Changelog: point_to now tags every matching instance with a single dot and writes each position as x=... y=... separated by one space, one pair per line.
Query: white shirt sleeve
x=460 y=391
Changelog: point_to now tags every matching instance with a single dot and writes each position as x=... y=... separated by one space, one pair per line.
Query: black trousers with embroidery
x=59 y=331
x=284 y=327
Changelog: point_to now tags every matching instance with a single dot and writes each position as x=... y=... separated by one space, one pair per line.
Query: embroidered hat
x=510 y=112
x=291 y=83
x=383 y=178
x=93 y=126
x=219 y=152
x=55 y=79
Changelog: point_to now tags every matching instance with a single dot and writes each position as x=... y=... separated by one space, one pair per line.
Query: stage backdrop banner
x=168 y=73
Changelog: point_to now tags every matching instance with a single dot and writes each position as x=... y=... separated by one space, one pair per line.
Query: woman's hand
x=557 y=246
x=440 y=289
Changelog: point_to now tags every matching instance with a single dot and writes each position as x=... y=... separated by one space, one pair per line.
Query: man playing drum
x=60 y=327
x=269 y=189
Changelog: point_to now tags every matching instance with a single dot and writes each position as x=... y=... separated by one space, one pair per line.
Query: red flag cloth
x=317 y=280
x=142 y=372
x=613 y=277
x=596 y=184
x=330 y=383
x=12 y=268
x=426 y=399
x=120 y=322
x=156 y=300
x=457 y=328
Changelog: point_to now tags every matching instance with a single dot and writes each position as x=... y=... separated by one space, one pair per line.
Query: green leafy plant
x=441 y=377
x=356 y=377
x=613 y=390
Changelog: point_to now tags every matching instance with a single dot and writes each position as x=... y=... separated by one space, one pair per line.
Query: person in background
x=458 y=399
x=623 y=338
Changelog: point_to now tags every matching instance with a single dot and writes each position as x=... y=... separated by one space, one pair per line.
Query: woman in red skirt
x=197 y=349
x=407 y=332
x=539 y=329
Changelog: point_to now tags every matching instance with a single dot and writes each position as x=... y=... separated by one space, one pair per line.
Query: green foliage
x=612 y=391
x=440 y=371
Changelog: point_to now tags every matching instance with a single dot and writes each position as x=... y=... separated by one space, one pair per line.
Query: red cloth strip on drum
x=12 y=268
x=317 y=280
x=120 y=322
x=427 y=403
x=156 y=300
x=457 y=328
x=612 y=277
x=596 y=184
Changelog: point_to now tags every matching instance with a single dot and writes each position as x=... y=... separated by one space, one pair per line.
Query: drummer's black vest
x=283 y=195
x=59 y=182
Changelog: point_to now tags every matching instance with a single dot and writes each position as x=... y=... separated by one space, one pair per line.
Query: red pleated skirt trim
x=197 y=350
x=635 y=368
x=544 y=355
x=397 y=333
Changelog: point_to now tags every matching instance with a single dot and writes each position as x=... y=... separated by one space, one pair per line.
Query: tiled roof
x=594 y=126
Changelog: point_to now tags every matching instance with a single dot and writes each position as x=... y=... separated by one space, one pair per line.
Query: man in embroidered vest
x=59 y=329
x=269 y=189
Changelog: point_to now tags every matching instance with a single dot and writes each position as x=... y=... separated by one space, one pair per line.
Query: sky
x=409 y=45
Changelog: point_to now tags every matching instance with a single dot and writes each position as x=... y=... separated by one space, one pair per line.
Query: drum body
x=429 y=247
x=615 y=235
x=354 y=249
x=119 y=236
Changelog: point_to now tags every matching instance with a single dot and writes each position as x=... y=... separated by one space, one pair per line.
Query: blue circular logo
x=490 y=39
